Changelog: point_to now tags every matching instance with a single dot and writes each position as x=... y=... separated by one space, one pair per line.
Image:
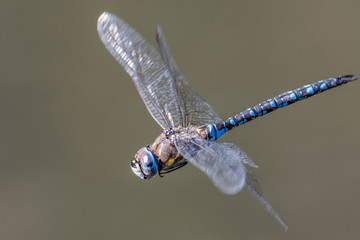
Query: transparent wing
x=144 y=65
x=193 y=108
x=222 y=162
x=160 y=84
x=254 y=187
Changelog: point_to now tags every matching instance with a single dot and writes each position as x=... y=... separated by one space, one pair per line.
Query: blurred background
x=71 y=121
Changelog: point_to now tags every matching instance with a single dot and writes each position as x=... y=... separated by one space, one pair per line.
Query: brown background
x=71 y=120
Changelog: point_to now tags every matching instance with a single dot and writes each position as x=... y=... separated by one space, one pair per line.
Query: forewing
x=221 y=162
x=193 y=108
x=144 y=65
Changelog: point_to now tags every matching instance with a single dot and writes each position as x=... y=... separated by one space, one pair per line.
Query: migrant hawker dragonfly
x=190 y=125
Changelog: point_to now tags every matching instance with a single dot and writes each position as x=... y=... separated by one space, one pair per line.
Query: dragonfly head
x=144 y=164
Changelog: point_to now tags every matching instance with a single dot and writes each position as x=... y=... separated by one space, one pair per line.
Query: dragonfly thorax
x=145 y=163
x=161 y=157
x=164 y=148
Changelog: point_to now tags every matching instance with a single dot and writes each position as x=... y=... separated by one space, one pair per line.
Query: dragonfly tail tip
x=348 y=78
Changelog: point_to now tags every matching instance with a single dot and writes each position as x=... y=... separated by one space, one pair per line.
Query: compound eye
x=148 y=160
x=135 y=166
x=144 y=165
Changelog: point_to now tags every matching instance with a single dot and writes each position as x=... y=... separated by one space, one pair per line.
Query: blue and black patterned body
x=214 y=131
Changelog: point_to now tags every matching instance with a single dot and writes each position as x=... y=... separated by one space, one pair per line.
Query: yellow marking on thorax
x=172 y=160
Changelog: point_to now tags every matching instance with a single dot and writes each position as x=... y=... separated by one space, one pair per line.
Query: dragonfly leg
x=176 y=166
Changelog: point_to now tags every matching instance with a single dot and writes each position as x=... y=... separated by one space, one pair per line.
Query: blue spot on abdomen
x=323 y=86
x=220 y=132
x=310 y=90
x=293 y=96
x=212 y=131
x=272 y=103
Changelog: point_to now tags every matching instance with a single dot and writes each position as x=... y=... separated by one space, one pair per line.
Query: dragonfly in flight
x=190 y=125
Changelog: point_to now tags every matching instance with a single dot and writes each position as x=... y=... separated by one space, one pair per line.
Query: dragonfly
x=190 y=125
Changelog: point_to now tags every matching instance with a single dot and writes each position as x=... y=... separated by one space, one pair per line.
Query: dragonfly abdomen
x=214 y=131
